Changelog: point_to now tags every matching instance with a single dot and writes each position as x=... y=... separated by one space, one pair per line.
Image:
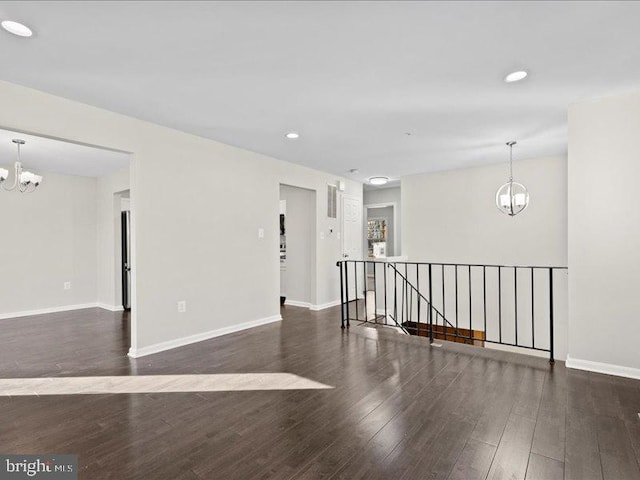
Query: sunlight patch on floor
x=219 y=382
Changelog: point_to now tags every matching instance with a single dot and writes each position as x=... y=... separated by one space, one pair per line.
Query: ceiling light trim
x=378 y=180
x=17 y=28
x=516 y=76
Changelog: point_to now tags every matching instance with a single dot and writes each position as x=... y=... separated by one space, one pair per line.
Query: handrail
x=392 y=265
x=441 y=264
x=504 y=304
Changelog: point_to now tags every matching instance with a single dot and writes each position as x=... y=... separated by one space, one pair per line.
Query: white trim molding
x=317 y=308
x=199 y=337
x=42 y=311
x=606 y=368
x=111 y=308
x=312 y=307
x=297 y=303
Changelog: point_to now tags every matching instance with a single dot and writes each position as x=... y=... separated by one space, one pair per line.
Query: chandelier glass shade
x=23 y=181
x=512 y=198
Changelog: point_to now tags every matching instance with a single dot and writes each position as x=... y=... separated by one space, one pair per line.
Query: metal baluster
x=346 y=289
x=551 y=359
x=365 y=280
x=484 y=295
x=430 y=309
x=444 y=302
x=355 y=283
x=384 y=271
x=375 y=292
x=515 y=299
x=404 y=298
x=418 y=289
x=456 y=332
x=500 y=304
x=395 y=293
x=533 y=301
x=406 y=290
x=470 y=329
x=341 y=296
x=410 y=309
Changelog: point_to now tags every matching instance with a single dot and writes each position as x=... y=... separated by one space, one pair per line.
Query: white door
x=351 y=228
x=352 y=242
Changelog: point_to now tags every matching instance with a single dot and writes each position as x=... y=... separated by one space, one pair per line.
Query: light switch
x=261 y=233
x=321 y=235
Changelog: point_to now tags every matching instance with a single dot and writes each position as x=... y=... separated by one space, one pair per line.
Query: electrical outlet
x=321 y=235
x=67 y=285
x=261 y=233
x=182 y=306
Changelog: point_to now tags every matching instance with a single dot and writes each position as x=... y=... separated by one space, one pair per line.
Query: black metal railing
x=507 y=305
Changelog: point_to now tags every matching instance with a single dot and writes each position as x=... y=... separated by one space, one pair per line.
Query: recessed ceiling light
x=515 y=76
x=378 y=180
x=16 y=28
x=292 y=135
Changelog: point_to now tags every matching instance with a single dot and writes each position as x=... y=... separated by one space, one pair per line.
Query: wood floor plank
x=513 y=450
x=474 y=462
x=582 y=454
x=550 y=433
x=544 y=468
x=616 y=452
x=399 y=409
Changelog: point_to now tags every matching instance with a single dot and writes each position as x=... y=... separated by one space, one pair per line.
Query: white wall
x=109 y=206
x=451 y=217
x=604 y=234
x=388 y=195
x=187 y=247
x=48 y=238
x=300 y=223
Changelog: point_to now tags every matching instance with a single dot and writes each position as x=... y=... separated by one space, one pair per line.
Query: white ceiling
x=351 y=77
x=40 y=154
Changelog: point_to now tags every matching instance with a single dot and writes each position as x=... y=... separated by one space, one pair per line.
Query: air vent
x=332 y=201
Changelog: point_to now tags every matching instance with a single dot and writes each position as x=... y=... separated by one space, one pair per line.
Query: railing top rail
x=444 y=264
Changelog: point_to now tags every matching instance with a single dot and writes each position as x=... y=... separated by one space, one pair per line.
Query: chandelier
x=23 y=181
x=512 y=197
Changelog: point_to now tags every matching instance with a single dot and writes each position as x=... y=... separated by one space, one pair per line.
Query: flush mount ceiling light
x=515 y=76
x=512 y=197
x=379 y=180
x=23 y=181
x=17 y=28
x=292 y=135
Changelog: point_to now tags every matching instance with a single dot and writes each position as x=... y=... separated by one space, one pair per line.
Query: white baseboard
x=111 y=308
x=41 y=311
x=296 y=303
x=199 y=337
x=606 y=368
x=317 y=308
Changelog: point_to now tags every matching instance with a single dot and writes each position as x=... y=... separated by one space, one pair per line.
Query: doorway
x=125 y=256
x=297 y=250
x=381 y=231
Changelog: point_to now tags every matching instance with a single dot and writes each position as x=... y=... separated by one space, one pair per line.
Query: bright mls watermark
x=39 y=467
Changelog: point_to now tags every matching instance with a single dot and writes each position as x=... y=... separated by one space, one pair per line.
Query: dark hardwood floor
x=399 y=410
